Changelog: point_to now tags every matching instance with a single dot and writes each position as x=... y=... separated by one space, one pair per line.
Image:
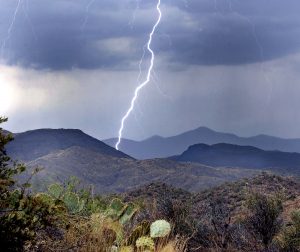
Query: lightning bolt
x=10 y=27
x=87 y=10
x=143 y=84
x=131 y=22
x=25 y=11
x=260 y=48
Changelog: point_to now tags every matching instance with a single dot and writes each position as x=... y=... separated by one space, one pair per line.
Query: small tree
x=7 y=168
x=264 y=222
x=21 y=215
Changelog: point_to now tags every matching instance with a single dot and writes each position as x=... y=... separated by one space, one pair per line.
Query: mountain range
x=242 y=157
x=160 y=147
x=70 y=152
x=65 y=152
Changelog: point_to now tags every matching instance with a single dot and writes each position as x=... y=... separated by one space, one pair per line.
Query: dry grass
x=289 y=207
x=98 y=234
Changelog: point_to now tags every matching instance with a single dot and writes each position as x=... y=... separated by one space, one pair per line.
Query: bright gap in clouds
x=7 y=97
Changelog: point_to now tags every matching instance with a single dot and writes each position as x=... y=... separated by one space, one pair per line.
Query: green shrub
x=264 y=221
x=289 y=239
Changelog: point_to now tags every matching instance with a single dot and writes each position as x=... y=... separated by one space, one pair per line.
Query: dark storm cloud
x=237 y=32
x=51 y=33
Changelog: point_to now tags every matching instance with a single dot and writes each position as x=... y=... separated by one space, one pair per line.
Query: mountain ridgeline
x=33 y=144
x=159 y=147
x=67 y=152
x=242 y=156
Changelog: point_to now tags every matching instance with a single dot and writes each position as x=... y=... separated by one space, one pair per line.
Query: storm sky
x=231 y=65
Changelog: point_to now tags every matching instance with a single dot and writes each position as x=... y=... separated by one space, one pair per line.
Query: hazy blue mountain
x=33 y=144
x=241 y=156
x=157 y=147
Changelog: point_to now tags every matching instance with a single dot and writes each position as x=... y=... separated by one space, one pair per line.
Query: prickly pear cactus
x=116 y=209
x=44 y=198
x=145 y=242
x=160 y=228
x=55 y=190
x=128 y=213
x=93 y=206
x=143 y=229
x=71 y=200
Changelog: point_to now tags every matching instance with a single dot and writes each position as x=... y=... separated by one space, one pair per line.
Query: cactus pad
x=55 y=190
x=71 y=200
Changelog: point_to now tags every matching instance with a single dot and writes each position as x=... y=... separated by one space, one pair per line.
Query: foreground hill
x=241 y=156
x=233 y=194
x=33 y=144
x=114 y=174
x=156 y=147
x=219 y=219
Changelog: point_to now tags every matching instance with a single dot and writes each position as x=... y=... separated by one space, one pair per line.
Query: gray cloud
x=246 y=100
x=233 y=66
x=49 y=34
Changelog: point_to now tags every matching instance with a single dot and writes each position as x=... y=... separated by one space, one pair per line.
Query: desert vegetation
x=259 y=214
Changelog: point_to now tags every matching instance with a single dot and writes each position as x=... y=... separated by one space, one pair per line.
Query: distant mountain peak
x=161 y=147
x=205 y=128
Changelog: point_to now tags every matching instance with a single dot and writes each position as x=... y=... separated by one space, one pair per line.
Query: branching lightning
x=10 y=27
x=25 y=11
x=87 y=10
x=140 y=63
x=131 y=22
x=259 y=46
x=143 y=84
x=158 y=88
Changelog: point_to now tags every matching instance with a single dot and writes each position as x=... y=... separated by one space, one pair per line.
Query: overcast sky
x=231 y=65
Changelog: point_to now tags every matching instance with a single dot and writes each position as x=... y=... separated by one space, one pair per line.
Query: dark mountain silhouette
x=241 y=156
x=33 y=144
x=157 y=147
